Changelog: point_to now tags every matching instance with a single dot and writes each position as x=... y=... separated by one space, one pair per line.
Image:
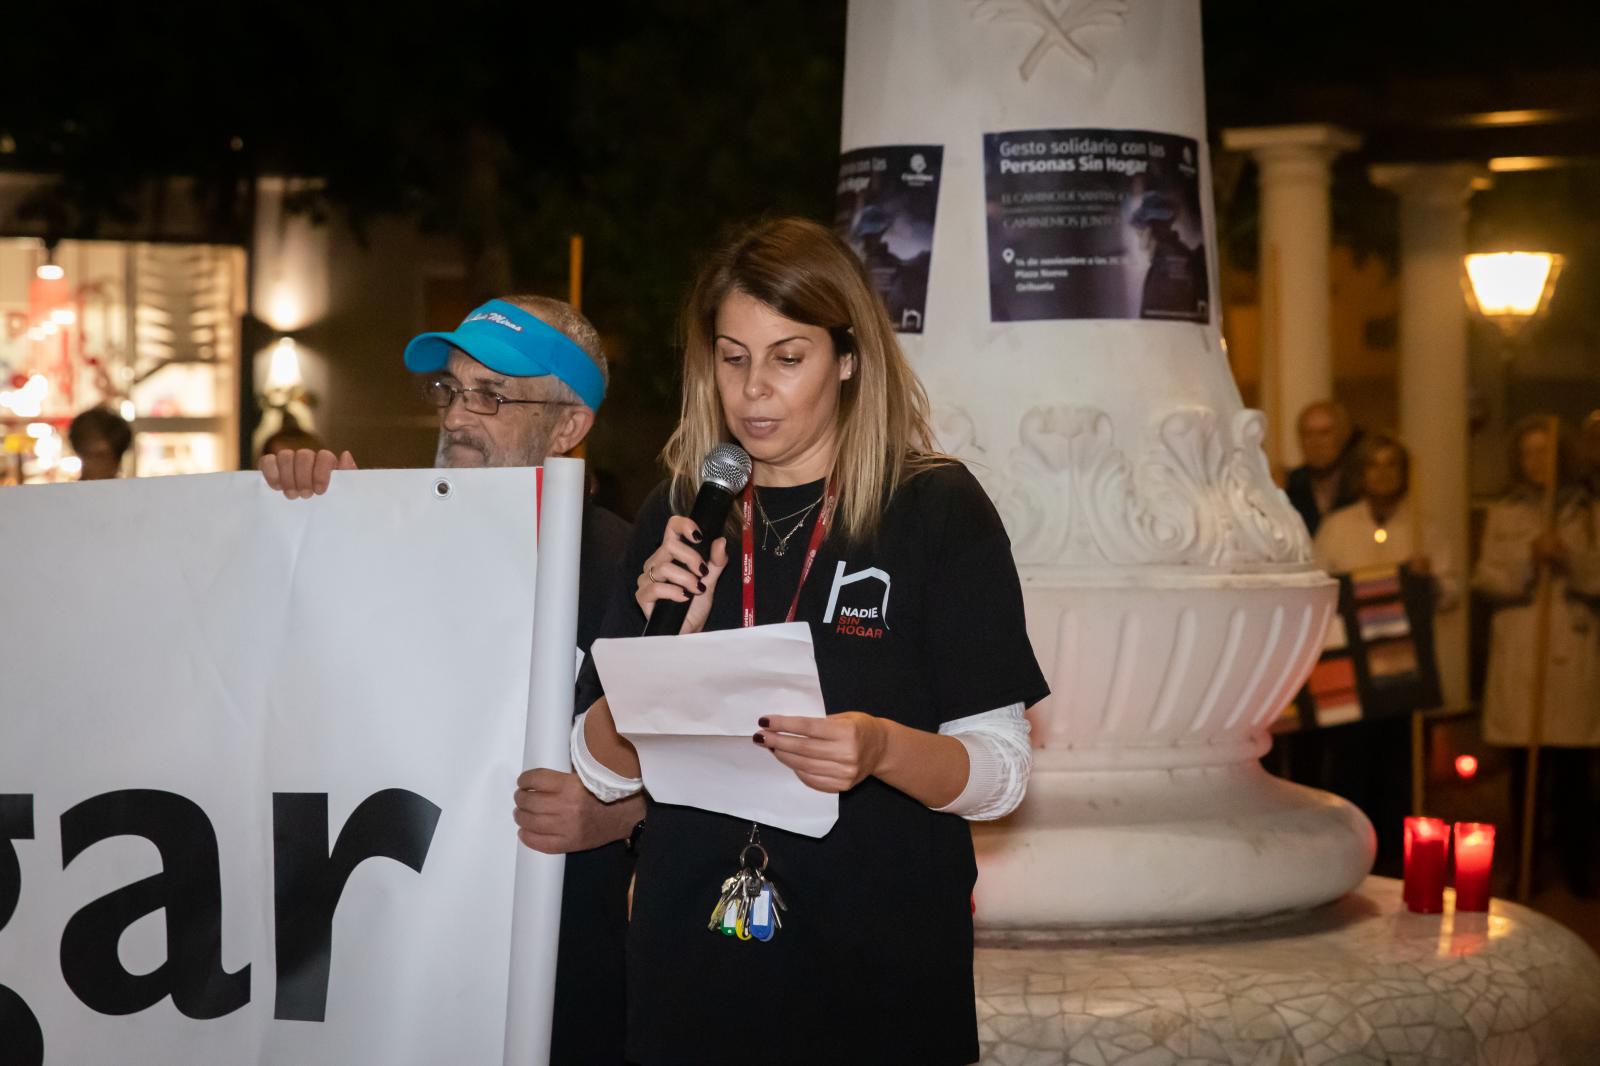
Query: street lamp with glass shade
x=285 y=384
x=284 y=390
x=1511 y=289
x=283 y=373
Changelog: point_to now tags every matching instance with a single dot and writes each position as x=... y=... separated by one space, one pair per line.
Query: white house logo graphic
x=861 y=619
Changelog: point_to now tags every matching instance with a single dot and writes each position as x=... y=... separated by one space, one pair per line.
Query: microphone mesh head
x=728 y=467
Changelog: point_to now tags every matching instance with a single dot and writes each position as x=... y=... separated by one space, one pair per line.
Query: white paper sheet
x=690 y=704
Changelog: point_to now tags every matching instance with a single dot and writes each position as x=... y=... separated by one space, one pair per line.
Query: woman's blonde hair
x=806 y=273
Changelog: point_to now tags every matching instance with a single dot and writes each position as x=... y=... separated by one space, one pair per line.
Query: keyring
x=746 y=862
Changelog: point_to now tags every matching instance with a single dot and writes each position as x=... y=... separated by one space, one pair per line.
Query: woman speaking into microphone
x=898 y=562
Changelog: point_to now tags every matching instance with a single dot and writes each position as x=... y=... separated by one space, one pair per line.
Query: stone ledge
x=1357 y=982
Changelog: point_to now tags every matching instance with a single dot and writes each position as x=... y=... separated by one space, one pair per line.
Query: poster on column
x=256 y=762
x=884 y=209
x=1093 y=223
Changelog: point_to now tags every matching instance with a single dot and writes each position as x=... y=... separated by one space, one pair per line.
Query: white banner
x=256 y=767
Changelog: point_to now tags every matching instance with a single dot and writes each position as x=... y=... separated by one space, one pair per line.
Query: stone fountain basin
x=1148 y=808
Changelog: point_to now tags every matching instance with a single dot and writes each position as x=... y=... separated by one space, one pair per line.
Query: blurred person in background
x=1326 y=480
x=1589 y=453
x=1517 y=546
x=100 y=438
x=291 y=436
x=1368 y=762
x=1381 y=528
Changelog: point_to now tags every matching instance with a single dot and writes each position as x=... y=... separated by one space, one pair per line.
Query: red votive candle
x=1411 y=831
x=1474 y=857
x=1426 y=840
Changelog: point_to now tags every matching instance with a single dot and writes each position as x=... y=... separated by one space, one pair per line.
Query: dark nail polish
x=700 y=586
x=704 y=570
x=757 y=739
x=695 y=536
x=763 y=722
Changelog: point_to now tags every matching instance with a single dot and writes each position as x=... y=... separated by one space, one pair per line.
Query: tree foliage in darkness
x=648 y=127
x=652 y=126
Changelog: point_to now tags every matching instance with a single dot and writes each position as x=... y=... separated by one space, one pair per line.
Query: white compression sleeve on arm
x=607 y=785
x=999 y=760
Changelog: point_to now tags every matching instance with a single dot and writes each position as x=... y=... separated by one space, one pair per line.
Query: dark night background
x=652 y=128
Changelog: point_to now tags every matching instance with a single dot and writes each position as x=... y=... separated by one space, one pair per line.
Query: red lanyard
x=748 y=563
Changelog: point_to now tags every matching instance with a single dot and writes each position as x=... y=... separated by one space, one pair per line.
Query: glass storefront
x=150 y=331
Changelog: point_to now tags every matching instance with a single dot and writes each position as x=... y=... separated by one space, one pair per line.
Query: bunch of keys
x=750 y=904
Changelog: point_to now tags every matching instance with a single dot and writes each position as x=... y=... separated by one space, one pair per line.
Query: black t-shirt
x=590 y=991
x=874 y=960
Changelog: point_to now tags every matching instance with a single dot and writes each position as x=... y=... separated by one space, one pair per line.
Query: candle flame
x=1428 y=828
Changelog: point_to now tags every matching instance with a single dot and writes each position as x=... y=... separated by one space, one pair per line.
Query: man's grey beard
x=530 y=450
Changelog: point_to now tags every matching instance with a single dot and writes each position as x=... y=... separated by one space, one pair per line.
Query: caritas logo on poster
x=918 y=175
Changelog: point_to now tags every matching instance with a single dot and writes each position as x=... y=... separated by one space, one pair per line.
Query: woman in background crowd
x=1517 y=546
x=1368 y=762
x=1382 y=528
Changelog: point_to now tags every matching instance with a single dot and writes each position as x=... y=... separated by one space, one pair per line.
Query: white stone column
x=1296 y=341
x=1168 y=584
x=1434 y=371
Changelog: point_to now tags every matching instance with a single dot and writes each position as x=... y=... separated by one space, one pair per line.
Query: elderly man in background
x=1327 y=479
x=519 y=380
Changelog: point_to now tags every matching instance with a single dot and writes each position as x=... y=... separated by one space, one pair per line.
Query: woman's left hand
x=831 y=754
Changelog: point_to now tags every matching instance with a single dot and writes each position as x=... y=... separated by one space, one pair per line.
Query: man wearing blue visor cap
x=550 y=374
x=519 y=380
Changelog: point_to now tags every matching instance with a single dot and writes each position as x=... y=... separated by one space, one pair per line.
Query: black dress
x=874 y=960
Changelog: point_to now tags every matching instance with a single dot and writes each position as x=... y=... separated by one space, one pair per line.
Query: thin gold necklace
x=784 y=538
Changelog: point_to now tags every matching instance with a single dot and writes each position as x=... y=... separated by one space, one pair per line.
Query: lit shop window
x=147 y=331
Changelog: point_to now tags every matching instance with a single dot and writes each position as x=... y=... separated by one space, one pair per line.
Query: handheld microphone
x=723 y=475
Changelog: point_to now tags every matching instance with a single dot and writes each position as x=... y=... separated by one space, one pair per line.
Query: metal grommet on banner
x=442 y=489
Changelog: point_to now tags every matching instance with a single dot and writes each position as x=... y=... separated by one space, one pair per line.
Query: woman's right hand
x=676 y=572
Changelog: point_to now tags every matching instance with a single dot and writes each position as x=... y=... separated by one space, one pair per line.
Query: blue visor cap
x=509 y=340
